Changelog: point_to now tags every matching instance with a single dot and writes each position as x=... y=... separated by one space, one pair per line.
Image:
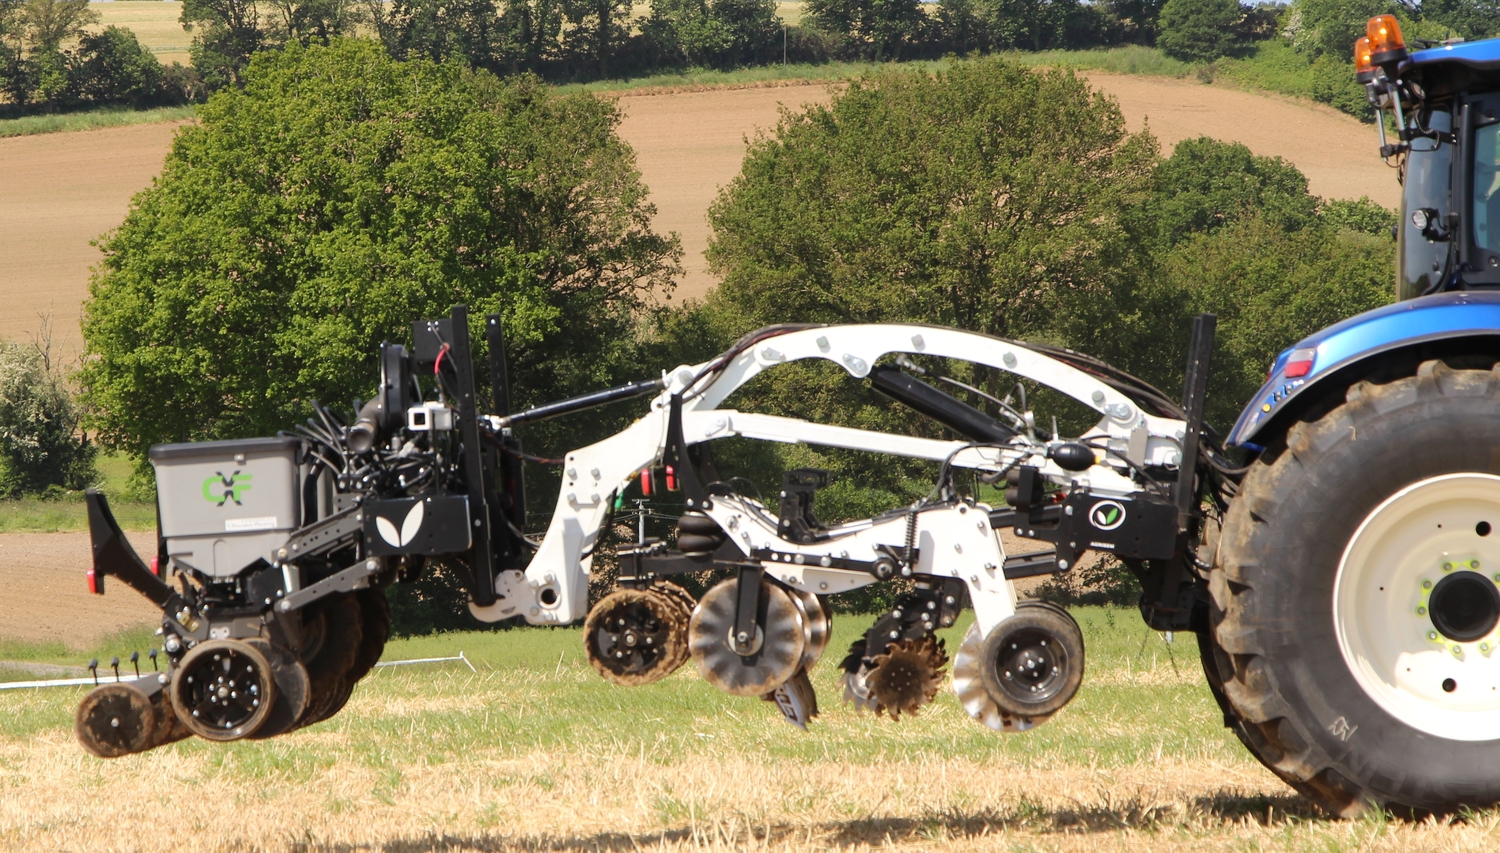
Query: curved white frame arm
x=554 y=587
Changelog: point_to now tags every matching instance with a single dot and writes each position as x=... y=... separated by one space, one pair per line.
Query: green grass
x=1128 y=59
x=92 y=120
x=535 y=691
x=536 y=752
x=1270 y=65
x=70 y=514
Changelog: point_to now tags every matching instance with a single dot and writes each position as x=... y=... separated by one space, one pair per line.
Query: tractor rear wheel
x=1355 y=604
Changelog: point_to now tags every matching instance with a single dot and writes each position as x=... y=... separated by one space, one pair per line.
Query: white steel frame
x=952 y=541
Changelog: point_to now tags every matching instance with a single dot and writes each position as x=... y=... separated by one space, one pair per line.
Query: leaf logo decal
x=1107 y=515
x=409 y=527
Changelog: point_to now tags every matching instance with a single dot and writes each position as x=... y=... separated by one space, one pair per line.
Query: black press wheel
x=1032 y=663
x=223 y=690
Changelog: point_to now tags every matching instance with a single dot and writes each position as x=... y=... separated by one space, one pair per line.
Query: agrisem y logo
x=409 y=527
x=1107 y=515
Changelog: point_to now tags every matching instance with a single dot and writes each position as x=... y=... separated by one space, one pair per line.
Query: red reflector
x=671 y=479
x=95 y=585
x=1300 y=363
x=646 y=482
x=156 y=566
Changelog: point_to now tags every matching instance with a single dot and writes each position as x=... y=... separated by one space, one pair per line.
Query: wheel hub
x=1416 y=606
x=1027 y=667
x=1465 y=606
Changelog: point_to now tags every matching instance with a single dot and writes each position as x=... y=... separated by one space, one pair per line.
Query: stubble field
x=535 y=752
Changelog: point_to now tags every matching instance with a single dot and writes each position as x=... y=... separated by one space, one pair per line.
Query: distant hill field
x=64 y=190
x=155 y=24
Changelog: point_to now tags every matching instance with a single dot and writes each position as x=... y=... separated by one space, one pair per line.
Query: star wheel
x=681 y=597
x=906 y=675
x=634 y=637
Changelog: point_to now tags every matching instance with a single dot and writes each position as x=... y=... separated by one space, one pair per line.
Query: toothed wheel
x=777 y=647
x=906 y=675
x=679 y=596
x=223 y=690
x=634 y=637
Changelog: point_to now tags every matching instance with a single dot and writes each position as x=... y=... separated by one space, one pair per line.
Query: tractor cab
x=1444 y=102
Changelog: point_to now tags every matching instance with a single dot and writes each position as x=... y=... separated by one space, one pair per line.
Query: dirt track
x=45 y=596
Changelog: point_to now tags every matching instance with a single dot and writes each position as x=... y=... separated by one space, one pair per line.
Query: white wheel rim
x=1417 y=537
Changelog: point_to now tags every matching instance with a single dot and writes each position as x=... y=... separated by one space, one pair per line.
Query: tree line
x=52 y=58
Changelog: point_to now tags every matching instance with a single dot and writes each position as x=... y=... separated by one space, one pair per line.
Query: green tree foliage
x=42 y=448
x=1028 y=213
x=467 y=30
x=1469 y=19
x=1318 y=27
x=715 y=33
x=990 y=196
x=871 y=29
x=114 y=68
x=1361 y=215
x=50 y=61
x=1197 y=30
x=334 y=199
x=1207 y=184
x=226 y=34
x=1269 y=287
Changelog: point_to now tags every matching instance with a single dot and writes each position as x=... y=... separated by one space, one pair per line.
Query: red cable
x=437 y=364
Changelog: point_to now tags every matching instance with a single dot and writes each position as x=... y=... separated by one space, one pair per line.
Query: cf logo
x=221 y=489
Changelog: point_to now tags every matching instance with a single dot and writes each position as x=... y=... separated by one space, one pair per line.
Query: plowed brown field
x=44 y=594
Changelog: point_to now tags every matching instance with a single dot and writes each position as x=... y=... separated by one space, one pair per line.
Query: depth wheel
x=223 y=690
x=1031 y=664
x=116 y=719
x=292 y=689
x=634 y=637
x=1354 y=602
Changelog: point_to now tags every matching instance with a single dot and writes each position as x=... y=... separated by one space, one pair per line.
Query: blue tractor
x=1354 y=588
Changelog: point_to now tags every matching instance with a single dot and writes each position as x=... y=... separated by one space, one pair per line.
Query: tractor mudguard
x=1342 y=347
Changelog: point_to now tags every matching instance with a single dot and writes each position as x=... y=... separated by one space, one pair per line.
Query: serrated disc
x=778 y=657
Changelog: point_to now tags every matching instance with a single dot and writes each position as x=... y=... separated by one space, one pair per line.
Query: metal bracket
x=747 y=606
x=321 y=537
x=355 y=577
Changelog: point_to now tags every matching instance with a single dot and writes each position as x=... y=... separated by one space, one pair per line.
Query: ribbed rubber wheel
x=1279 y=649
